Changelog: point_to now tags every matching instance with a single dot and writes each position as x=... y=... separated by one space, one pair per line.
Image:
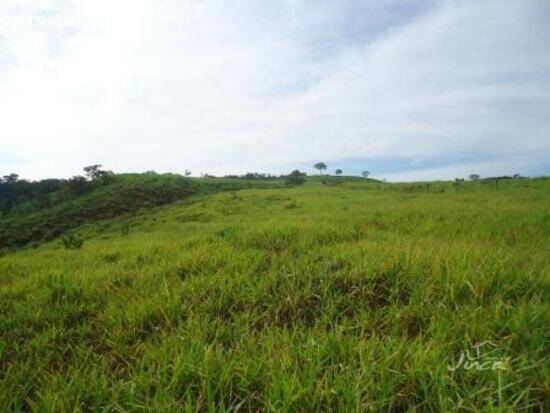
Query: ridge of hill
x=51 y=213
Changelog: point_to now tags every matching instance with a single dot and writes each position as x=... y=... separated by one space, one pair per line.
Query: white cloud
x=221 y=87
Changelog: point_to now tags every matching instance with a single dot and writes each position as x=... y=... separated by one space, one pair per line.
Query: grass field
x=351 y=297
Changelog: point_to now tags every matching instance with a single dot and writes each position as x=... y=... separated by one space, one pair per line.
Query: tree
x=107 y=177
x=93 y=171
x=187 y=172
x=295 y=178
x=8 y=192
x=365 y=174
x=321 y=166
x=10 y=179
x=474 y=177
x=78 y=185
x=338 y=172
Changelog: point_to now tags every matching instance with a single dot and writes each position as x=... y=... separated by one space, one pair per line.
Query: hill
x=349 y=297
x=41 y=211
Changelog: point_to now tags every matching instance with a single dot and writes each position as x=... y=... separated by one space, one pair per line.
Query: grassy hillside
x=54 y=213
x=349 y=297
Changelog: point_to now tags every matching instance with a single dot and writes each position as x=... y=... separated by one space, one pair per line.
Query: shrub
x=72 y=242
x=125 y=229
x=295 y=178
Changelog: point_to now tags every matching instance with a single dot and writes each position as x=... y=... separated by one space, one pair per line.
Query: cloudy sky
x=408 y=89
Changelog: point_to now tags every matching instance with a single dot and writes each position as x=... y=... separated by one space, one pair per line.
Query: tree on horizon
x=321 y=166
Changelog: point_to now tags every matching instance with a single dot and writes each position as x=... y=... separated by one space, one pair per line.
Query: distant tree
x=8 y=192
x=106 y=177
x=321 y=166
x=338 y=172
x=10 y=179
x=187 y=172
x=474 y=177
x=295 y=178
x=93 y=171
x=365 y=174
x=78 y=185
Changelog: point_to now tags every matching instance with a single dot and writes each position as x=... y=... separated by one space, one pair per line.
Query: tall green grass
x=354 y=297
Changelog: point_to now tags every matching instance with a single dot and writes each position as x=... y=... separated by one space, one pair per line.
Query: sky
x=407 y=89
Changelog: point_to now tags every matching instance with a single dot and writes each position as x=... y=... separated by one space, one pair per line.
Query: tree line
x=321 y=166
x=15 y=192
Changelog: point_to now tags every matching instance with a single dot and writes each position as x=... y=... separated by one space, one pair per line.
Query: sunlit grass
x=333 y=298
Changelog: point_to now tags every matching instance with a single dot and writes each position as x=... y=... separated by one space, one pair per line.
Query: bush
x=125 y=229
x=72 y=242
x=295 y=178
